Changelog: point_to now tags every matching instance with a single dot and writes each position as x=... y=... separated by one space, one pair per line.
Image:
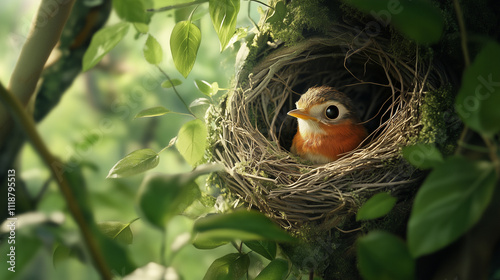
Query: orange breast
x=322 y=148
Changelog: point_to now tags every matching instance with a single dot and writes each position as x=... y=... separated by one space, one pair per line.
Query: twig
x=176 y=92
x=262 y=3
x=493 y=151
x=463 y=32
x=465 y=50
x=163 y=247
x=28 y=125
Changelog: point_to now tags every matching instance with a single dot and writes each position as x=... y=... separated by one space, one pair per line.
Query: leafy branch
x=26 y=122
x=177 y=93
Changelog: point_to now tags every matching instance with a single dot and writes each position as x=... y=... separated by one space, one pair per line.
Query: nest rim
x=289 y=190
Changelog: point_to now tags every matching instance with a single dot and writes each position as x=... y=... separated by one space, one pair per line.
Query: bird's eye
x=332 y=112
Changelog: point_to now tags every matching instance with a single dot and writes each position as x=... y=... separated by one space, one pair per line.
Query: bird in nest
x=328 y=126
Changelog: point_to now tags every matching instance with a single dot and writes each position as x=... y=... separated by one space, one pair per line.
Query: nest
x=254 y=132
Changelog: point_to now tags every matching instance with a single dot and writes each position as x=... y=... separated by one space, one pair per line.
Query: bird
x=328 y=125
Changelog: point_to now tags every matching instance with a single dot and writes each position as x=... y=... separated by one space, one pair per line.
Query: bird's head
x=322 y=107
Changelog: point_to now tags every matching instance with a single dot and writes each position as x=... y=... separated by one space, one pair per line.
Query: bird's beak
x=301 y=114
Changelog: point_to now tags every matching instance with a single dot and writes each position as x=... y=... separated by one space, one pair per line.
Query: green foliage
x=133 y=10
x=230 y=267
x=192 y=140
x=184 y=43
x=199 y=106
x=118 y=231
x=278 y=14
x=242 y=225
x=134 y=163
x=171 y=83
x=450 y=201
x=479 y=96
x=61 y=253
x=116 y=256
x=162 y=196
x=103 y=41
x=206 y=88
x=275 y=270
x=223 y=14
x=265 y=248
x=141 y=27
x=383 y=256
x=152 y=112
x=152 y=51
x=375 y=207
x=423 y=156
x=420 y=20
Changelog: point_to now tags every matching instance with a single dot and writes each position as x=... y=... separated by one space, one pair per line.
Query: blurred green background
x=93 y=125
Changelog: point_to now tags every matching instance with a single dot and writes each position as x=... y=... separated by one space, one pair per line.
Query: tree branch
x=46 y=29
x=27 y=124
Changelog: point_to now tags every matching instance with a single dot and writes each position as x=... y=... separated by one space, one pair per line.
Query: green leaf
x=61 y=254
x=279 y=13
x=192 y=140
x=115 y=254
x=275 y=270
x=223 y=14
x=103 y=41
x=184 y=43
x=450 y=201
x=171 y=83
x=141 y=27
x=134 y=163
x=133 y=10
x=118 y=231
x=382 y=255
x=152 y=51
x=377 y=206
x=199 y=102
x=243 y=225
x=230 y=267
x=208 y=242
x=238 y=35
x=163 y=196
x=423 y=156
x=199 y=107
x=206 y=88
x=479 y=96
x=419 y=20
x=265 y=248
x=152 y=112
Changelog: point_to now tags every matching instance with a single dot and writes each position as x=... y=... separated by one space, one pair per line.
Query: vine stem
x=463 y=32
x=28 y=125
x=492 y=148
x=163 y=247
x=465 y=51
x=176 y=92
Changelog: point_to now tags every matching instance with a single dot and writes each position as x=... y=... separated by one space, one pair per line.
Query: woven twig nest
x=253 y=132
